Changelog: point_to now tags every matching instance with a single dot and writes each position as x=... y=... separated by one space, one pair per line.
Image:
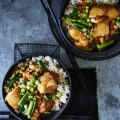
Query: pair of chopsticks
x=53 y=20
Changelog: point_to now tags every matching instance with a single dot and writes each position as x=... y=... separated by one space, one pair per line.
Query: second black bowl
x=58 y=7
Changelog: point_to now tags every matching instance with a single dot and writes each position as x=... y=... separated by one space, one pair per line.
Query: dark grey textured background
x=25 y=21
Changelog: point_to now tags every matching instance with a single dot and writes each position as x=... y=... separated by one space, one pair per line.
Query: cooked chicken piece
x=98 y=19
x=46 y=105
x=112 y=12
x=47 y=83
x=75 y=34
x=102 y=40
x=101 y=13
x=83 y=44
x=26 y=75
x=13 y=98
x=35 y=68
x=97 y=14
x=101 y=29
x=80 y=39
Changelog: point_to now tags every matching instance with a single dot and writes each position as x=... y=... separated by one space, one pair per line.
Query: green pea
x=118 y=18
x=31 y=89
x=37 y=82
x=35 y=74
x=30 y=96
x=36 y=91
x=46 y=112
x=117 y=22
x=32 y=82
x=59 y=94
x=53 y=97
x=87 y=7
x=84 y=15
x=86 y=10
x=34 y=86
x=88 y=36
x=23 y=90
x=88 y=20
x=27 y=61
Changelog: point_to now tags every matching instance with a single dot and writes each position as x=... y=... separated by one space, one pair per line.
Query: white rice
x=69 y=9
x=63 y=87
x=73 y=2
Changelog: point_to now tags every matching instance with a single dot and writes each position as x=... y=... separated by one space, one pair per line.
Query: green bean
x=42 y=66
x=80 y=25
x=23 y=99
x=104 y=46
x=13 y=80
x=78 y=20
x=73 y=14
x=33 y=109
x=78 y=28
x=28 y=112
x=22 y=107
x=75 y=8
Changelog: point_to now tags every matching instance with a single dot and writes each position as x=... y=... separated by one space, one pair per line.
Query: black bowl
x=21 y=116
x=58 y=7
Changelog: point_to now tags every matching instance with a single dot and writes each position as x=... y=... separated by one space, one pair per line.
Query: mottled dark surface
x=26 y=21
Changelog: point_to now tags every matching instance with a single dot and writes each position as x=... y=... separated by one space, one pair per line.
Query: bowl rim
x=14 y=113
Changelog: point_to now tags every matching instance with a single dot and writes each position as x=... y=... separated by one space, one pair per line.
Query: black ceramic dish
x=21 y=116
x=58 y=7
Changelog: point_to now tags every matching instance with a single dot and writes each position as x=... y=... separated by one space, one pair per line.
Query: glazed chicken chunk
x=80 y=39
x=47 y=83
x=97 y=14
x=101 y=13
x=112 y=12
x=101 y=29
x=46 y=105
x=13 y=98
